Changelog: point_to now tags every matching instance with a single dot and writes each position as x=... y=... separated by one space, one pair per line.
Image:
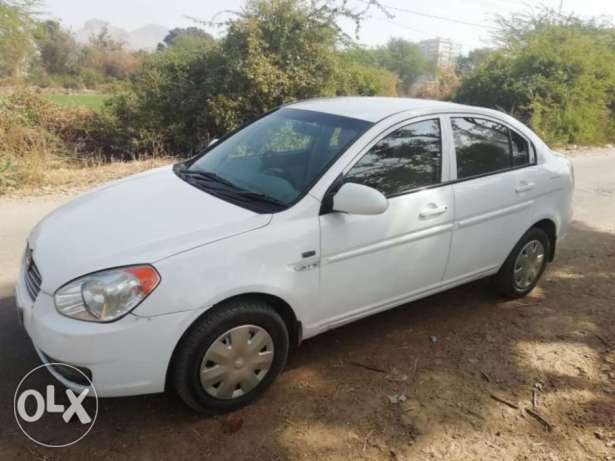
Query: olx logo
x=55 y=416
x=49 y=405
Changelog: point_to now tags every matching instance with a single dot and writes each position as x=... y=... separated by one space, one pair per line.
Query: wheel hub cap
x=528 y=264
x=236 y=362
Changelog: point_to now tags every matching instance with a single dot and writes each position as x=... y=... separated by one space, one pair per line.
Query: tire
x=506 y=281
x=234 y=322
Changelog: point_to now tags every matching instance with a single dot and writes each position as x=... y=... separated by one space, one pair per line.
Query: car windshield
x=272 y=162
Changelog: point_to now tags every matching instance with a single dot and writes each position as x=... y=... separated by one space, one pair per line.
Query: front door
x=369 y=263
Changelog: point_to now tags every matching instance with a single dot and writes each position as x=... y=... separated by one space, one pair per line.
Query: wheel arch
x=295 y=328
x=550 y=228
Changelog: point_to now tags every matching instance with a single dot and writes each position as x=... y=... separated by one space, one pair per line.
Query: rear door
x=494 y=194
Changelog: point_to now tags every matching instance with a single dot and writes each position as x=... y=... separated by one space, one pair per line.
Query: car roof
x=374 y=109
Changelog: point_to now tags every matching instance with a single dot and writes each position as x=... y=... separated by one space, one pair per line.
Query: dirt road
x=432 y=398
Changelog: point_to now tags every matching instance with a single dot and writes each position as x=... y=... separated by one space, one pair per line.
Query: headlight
x=107 y=295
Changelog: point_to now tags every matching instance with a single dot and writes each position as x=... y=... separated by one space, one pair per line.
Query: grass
x=79 y=177
x=62 y=177
x=43 y=146
x=90 y=101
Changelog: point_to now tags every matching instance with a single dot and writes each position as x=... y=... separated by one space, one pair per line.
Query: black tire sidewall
x=506 y=278
x=200 y=339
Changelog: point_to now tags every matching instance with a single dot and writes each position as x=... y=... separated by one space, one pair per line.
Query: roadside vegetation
x=65 y=105
x=93 y=102
x=44 y=145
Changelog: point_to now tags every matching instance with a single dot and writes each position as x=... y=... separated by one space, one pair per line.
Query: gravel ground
x=383 y=388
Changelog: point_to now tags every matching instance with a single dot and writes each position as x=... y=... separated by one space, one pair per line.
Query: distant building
x=443 y=52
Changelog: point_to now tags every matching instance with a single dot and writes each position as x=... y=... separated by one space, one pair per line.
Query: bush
x=442 y=88
x=275 y=52
x=357 y=79
x=559 y=78
x=36 y=134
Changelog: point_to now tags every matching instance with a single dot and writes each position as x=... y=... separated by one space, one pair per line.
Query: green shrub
x=275 y=52
x=35 y=134
x=560 y=79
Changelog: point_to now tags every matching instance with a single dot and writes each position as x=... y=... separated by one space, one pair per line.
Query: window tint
x=520 y=150
x=408 y=158
x=482 y=146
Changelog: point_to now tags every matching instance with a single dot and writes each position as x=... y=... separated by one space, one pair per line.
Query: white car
x=203 y=275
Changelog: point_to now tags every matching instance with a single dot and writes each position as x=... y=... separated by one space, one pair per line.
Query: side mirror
x=212 y=142
x=358 y=199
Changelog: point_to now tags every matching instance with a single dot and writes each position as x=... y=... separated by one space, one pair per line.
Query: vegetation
x=555 y=73
x=273 y=52
x=34 y=133
x=401 y=57
x=42 y=143
x=17 y=26
x=93 y=102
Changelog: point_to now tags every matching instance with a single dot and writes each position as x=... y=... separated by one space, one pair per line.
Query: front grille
x=32 y=276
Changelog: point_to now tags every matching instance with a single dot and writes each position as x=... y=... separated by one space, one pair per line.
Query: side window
x=521 y=151
x=408 y=158
x=482 y=146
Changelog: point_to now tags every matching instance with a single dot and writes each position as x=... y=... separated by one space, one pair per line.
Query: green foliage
x=358 y=79
x=186 y=37
x=399 y=56
x=44 y=54
x=274 y=52
x=108 y=58
x=467 y=64
x=17 y=27
x=557 y=75
x=93 y=102
x=35 y=133
x=406 y=60
x=57 y=48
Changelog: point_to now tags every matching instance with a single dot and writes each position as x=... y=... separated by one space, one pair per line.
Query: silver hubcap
x=528 y=264
x=236 y=362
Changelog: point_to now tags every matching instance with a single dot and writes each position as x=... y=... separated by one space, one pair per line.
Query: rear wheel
x=524 y=266
x=230 y=356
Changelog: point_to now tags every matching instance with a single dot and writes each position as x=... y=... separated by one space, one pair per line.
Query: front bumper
x=126 y=357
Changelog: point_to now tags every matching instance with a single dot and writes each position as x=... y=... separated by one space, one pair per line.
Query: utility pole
x=561 y=6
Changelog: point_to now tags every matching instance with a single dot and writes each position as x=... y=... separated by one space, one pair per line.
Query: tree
x=467 y=64
x=185 y=36
x=556 y=74
x=405 y=59
x=274 y=51
x=17 y=27
x=442 y=87
x=108 y=57
x=57 y=47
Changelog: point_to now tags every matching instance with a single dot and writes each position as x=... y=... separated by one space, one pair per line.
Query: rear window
x=484 y=146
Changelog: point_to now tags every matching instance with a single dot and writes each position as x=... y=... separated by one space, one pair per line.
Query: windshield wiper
x=228 y=189
x=258 y=197
x=208 y=176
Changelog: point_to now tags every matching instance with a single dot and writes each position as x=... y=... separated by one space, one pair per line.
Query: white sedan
x=203 y=275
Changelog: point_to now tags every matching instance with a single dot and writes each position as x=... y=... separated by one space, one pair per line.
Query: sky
x=465 y=21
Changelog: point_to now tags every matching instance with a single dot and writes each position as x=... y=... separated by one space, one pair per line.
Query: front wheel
x=230 y=356
x=525 y=264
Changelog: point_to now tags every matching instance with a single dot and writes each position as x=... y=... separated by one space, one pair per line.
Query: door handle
x=524 y=187
x=432 y=210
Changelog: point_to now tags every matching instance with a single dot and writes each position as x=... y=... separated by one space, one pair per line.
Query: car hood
x=140 y=219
